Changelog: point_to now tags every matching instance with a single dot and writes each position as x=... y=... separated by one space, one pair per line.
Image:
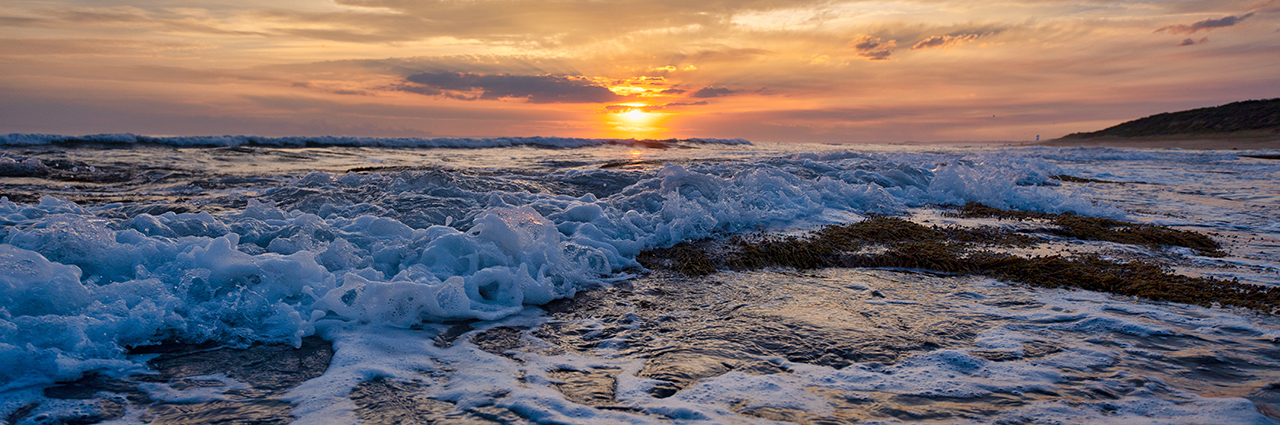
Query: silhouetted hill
x=1249 y=115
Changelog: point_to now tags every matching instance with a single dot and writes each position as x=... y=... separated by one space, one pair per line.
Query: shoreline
x=1187 y=143
x=1190 y=142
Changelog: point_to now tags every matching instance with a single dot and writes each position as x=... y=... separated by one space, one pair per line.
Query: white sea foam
x=80 y=284
x=264 y=274
x=366 y=351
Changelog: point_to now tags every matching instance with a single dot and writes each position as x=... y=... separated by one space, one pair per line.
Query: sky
x=763 y=70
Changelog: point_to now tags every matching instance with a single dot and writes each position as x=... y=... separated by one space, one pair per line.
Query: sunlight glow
x=636 y=116
x=634 y=120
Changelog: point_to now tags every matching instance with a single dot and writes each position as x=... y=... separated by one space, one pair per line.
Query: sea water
x=381 y=246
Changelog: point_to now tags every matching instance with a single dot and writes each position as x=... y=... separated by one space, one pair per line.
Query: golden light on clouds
x=805 y=70
x=644 y=86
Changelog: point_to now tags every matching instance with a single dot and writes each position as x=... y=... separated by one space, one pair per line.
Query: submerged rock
x=257 y=412
x=594 y=387
x=498 y=340
x=265 y=367
x=383 y=401
x=198 y=384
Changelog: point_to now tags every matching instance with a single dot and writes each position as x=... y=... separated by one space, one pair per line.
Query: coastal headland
x=1246 y=125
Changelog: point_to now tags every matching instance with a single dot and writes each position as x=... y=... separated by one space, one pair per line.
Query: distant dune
x=1252 y=124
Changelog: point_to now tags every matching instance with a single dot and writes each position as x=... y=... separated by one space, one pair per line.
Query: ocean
x=342 y=280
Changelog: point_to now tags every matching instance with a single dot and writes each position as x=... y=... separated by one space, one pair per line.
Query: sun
x=636 y=121
x=637 y=116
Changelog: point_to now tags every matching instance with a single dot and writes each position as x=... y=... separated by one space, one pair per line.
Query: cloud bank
x=534 y=88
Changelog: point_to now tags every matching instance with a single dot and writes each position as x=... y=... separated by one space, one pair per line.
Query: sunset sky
x=764 y=70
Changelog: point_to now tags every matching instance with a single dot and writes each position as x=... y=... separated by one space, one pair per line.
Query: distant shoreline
x=1196 y=142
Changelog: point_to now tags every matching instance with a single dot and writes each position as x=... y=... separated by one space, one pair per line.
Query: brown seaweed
x=888 y=242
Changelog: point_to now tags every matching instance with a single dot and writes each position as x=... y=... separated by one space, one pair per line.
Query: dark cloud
x=873 y=48
x=1205 y=25
x=931 y=42
x=622 y=109
x=698 y=103
x=413 y=88
x=944 y=41
x=475 y=64
x=535 y=88
x=19 y=21
x=709 y=91
x=1189 y=42
x=672 y=91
